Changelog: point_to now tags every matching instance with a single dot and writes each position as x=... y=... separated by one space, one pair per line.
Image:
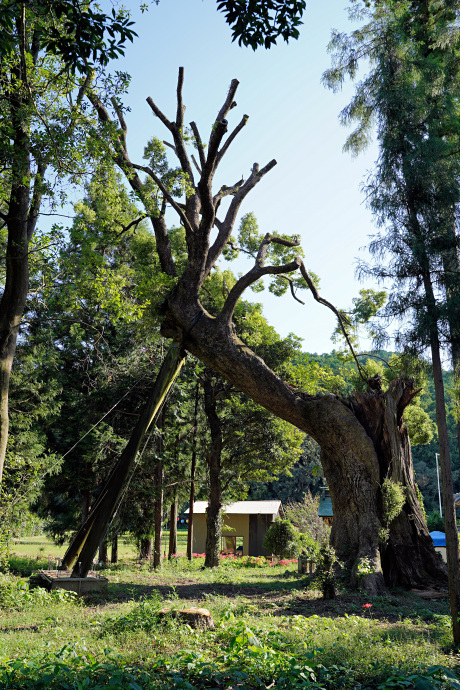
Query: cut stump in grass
x=195 y=617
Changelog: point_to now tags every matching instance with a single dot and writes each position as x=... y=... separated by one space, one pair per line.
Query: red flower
x=367 y=606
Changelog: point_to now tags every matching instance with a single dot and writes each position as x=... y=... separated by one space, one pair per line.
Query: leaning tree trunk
x=363 y=440
x=213 y=513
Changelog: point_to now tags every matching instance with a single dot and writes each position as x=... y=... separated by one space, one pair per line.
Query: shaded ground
x=285 y=594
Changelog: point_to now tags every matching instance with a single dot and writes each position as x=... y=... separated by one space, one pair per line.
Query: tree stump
x=195 y=617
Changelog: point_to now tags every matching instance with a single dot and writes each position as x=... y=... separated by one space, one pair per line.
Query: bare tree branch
x=180 y=105
x=225 y=227
x=134 y=223
x=121 y=158
x=227 y=191
x=122 y=121
x=199 y=143
x=231 y=138
x=258 y=271
x=341 y=317
x=159 y=114
x=166 y=194
x=171 y=146
x=196 y=164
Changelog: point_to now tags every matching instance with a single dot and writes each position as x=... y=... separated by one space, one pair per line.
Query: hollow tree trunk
x=172 y=550
x=213 y=513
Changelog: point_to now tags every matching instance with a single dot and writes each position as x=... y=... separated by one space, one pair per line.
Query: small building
x=439 y=541
x=244 y=525
x=325 y=506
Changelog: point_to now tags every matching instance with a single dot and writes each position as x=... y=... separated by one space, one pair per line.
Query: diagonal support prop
x=84 y=545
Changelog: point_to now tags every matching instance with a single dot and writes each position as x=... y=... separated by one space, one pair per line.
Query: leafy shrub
x=435 y=522
x=394 y=497
x=304 y=515
x=17 y=595
x=325 y=570
x=281 y=539
x=309 y=547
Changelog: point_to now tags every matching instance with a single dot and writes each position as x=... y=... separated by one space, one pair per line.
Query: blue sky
x=314 y=191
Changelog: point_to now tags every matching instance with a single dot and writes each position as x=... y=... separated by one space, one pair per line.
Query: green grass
x=41 y=546
x=272 y=629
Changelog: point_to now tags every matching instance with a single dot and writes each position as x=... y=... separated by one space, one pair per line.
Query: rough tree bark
x=362 y=438
x=114 y=550
x=145 y=548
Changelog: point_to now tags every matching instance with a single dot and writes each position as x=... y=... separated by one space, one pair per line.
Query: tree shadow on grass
x=196 y=591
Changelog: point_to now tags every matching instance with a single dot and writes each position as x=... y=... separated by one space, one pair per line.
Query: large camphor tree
x=362 y=437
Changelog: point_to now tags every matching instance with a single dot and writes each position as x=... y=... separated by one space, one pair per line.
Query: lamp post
x=439 y=487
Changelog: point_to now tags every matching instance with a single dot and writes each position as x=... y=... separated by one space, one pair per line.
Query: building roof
x=325 y=507
x=439 y=538
x=243 y=508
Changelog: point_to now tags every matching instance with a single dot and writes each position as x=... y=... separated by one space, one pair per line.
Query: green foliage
x=18 y=596
x=309 y=547
x=435 y=522
x=393 y=498
x=304 y=515
x=281 y=539
x=421 y=501
x=78 y=32
x=325 y=570
x=257 y=24
x=363 y=567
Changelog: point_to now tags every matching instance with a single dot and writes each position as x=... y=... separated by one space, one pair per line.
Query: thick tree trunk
x=213 y=514
x=192 y=479
x=362 y=439
x=172 y=551
x=145 y=548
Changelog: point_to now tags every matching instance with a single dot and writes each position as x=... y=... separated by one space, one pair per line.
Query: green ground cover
x=272 y=630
